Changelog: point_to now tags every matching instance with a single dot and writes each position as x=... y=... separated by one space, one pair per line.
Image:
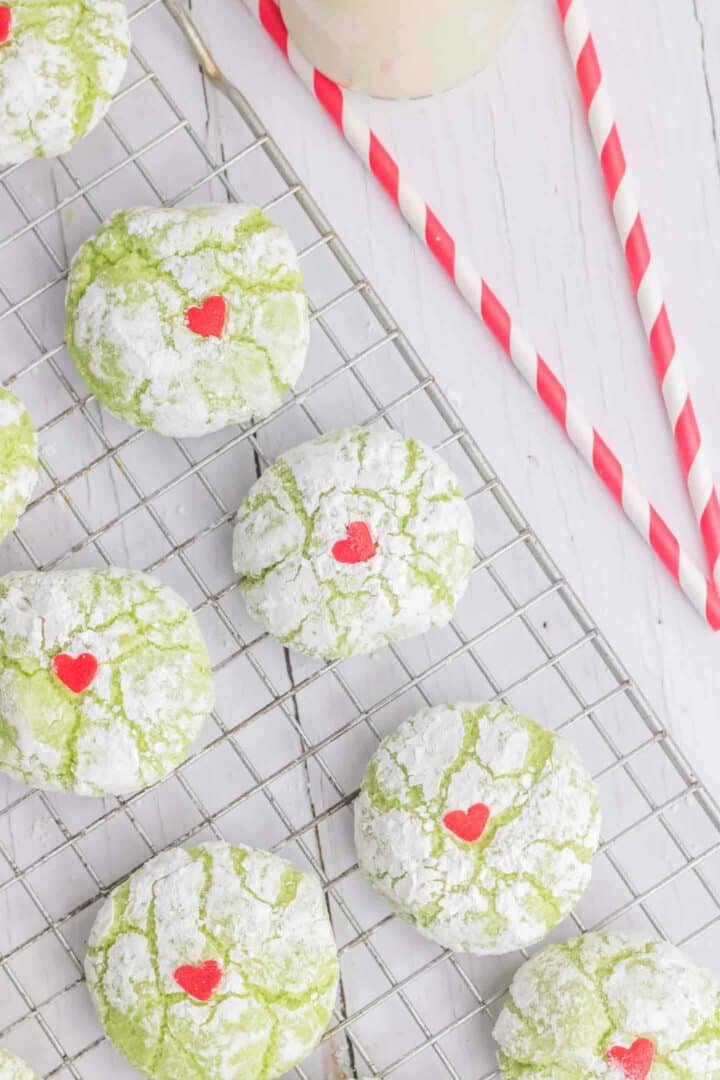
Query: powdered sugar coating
x=12 y=1068
x=18 y=460
x=59 y=70
x=264 y=923
x=301 y=507
x=130 y=289
x=532 y=862
x=152 y=691
x=572 y=1003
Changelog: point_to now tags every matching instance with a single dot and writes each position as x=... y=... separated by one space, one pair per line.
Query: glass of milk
x=398 y=48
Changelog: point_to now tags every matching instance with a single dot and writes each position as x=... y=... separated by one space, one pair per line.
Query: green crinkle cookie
x=478 y=826
x=608 y=1006
x=12 y=1068
x=188 y=320
x=104 y=680
x=18 y=460
x=60 y=66
x=354 y=540
x=214 y=963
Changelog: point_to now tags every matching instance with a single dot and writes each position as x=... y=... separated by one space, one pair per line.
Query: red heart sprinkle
x=199 y=980
x=635 y=1062
x=5 y=24
x=76 y=672
x=468 y=825
x=357 y=547
x=209 y=319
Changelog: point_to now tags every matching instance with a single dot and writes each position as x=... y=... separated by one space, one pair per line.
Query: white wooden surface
x=507 y=162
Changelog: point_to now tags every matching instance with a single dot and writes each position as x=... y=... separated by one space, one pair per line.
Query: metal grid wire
x=280 y=763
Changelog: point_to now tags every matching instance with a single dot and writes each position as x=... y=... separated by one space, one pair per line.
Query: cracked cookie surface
x=12 y=1068
x=60 y=67
x=188 y=320
x=105 y=680
x=263 y=925
x=575 y=1010
x=18 y=460
x=478 y=826
x=353 y=540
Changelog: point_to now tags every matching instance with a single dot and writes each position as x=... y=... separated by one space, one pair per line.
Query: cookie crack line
x=341 y=546
x=256 y=917
x=149 y=690
x=615 y=969
x=75 y=55
x=448 y=809
x=136 y=291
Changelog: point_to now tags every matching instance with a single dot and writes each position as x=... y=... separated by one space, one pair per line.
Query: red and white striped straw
x=586 y=439
x=669 y=367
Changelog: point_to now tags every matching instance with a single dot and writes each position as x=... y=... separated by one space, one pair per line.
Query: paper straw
x=669 y=366
x=539 y=376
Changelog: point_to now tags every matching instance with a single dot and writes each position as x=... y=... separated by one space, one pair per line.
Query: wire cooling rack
x=281 y=760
